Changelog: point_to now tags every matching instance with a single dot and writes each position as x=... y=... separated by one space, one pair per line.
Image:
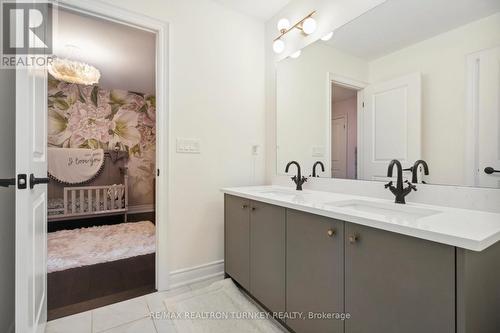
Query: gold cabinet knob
x=244 y=207
x=331 y=232
x=353 y=238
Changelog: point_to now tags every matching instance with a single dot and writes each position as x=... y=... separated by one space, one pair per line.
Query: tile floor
x=132 y=316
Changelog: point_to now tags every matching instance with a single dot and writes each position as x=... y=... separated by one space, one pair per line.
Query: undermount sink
x=281 y=192
x=386 y=211
x=289 y=195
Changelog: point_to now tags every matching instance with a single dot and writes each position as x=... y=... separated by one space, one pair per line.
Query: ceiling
x=396 y=24
x=124 y=55
x=261 y=9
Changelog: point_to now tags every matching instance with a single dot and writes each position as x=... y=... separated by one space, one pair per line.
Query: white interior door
x=31 y=203
x=391 y=126
x=339 y=148
x=488 y=143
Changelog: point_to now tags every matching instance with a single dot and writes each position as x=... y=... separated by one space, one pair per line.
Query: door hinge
x=363 y=104
x=158 y=172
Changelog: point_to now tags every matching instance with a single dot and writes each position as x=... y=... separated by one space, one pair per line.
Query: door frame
x=161 y=29
x=346 y=82
x=472 y=119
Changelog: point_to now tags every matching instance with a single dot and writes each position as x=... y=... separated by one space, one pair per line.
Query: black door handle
x=35 y=181
x=490 y=171
x=7 y=182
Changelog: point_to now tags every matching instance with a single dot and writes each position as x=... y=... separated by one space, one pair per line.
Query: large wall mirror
x=409 y=80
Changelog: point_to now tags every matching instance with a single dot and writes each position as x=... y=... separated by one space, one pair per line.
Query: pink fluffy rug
x=89 y=246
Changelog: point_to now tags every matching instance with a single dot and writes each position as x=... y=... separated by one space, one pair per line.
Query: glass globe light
x=296 y=54
x=278 y=46
x=327 y=37
x=283 y=25
x=309 y=26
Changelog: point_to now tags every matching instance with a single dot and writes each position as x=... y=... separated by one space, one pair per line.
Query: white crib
x=91 y=200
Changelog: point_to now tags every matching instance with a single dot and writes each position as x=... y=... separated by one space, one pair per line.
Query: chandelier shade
x=74 y=71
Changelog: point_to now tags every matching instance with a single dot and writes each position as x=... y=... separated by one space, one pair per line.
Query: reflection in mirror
x=409 y=80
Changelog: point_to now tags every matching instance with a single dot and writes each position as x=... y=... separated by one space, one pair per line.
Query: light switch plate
x=318 y=151
x=188 y=146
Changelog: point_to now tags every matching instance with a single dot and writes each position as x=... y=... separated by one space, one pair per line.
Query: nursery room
x=101 y=164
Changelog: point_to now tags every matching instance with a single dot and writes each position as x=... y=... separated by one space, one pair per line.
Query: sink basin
x=289 y=195
x=280 y=192
x=385 y=211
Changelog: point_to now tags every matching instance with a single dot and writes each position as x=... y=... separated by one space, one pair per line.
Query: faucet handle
x=304 y=179
x=294 y=178
x=411 y=186
x=389 y=184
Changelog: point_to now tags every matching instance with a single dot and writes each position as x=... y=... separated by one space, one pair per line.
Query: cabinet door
x=237 y=239
x=395 y=283
x=314 y=270
x=267 y=255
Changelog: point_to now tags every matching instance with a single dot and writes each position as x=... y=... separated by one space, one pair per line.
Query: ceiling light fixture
x=307 y=25
x=327 y=37
x=74 y=71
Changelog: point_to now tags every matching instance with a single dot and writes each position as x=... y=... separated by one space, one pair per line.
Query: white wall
x=442 y=62
x=217 y=95
x=7 y=198
x=303 y=101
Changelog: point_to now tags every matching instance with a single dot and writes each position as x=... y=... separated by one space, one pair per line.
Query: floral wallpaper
x=90 y=117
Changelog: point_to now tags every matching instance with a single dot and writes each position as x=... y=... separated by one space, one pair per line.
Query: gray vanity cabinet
x=314 y=270
x=387 y=282
x=237 y=239
x=395 y=283
x=267 y=255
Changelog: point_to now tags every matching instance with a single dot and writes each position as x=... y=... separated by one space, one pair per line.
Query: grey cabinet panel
x=237 y=239
x=478 y=291
x=267 y=255
x=314 y=270
x=396 y=284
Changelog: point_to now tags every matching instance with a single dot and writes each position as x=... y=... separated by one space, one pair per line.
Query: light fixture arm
x=297 y=25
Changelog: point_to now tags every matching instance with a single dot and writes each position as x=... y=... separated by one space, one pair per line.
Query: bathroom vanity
x=392 y=268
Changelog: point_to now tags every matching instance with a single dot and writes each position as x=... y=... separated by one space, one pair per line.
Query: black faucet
x=414 y=178
x=414 y=171
x=399 y=191
x=314 y=168
x=298 y=179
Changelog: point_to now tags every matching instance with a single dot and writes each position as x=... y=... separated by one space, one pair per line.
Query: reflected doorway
x=344 y=133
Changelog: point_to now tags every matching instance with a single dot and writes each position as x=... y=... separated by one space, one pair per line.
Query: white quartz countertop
x=467 y=229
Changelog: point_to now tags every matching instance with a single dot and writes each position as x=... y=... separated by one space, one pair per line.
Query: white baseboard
x=141 y=209
x=186 y=276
